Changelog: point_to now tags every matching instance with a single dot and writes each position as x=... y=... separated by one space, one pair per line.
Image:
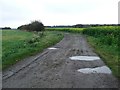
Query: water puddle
x=103 y=69
x=52 y=48
x=85 y=58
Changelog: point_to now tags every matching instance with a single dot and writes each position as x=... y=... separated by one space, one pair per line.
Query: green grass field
x=17 y=44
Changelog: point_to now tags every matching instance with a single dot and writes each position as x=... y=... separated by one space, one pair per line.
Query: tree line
x=81 y=25
x=5 y=28
x=38 y=26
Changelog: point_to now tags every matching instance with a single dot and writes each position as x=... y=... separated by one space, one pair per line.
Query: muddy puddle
x=85 y=58
x=103 y=69
x=52 y=48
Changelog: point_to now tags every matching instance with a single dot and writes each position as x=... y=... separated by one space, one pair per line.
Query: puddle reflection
x=85 y=58
x=103 y=69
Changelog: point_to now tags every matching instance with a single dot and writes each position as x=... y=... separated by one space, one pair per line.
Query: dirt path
x=54 y=69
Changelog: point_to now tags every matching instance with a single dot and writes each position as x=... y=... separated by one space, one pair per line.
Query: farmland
x=20 y=44
x=17 y=44
x=70 y=30
x=55 y=67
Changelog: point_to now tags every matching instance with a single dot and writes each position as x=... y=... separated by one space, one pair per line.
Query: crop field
x=71 y=30
x=17 y=44
x=106 y=42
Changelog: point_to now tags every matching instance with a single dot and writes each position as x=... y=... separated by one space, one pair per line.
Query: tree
x=33 y=26
x=36 y=26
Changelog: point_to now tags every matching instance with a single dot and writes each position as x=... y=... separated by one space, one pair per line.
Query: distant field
x=17 y=44
x=72 y=30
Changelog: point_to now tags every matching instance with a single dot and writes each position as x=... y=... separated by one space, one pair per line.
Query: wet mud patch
x=73 y=51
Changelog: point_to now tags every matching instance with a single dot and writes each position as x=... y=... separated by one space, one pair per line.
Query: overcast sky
x=58 y=12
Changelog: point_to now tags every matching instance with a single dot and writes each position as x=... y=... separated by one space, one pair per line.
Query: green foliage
x=17 y=45
x=33 y=26
x=107 y=34
x=105 y=40
x=36 y=26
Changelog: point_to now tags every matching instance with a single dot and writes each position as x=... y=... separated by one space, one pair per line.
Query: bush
x=33 y=26
x=36 y=26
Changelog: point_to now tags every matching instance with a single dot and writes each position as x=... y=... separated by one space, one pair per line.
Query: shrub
x=33 y=26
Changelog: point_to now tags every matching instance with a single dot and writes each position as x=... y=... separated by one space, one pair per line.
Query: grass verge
x=17 y=44
x=109 y=54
